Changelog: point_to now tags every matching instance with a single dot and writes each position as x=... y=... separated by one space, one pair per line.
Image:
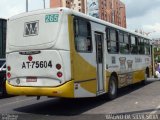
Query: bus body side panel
x=102 y=76
x=131 y=71
x=83 y=73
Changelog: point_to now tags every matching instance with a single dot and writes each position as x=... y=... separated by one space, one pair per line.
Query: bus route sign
x=51 y=18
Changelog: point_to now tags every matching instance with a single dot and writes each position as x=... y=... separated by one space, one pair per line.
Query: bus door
x=99 y=38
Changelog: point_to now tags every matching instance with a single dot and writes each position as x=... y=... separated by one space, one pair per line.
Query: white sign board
x=93 y=8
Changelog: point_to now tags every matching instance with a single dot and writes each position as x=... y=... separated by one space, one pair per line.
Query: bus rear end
x=38 y=54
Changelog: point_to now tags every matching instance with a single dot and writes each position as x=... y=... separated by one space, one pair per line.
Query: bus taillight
x=30 y=58
x=8 y=75
x=59 y=74
x=8 y=68
x=58 y=66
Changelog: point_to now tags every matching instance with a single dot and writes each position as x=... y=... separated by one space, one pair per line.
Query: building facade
x=113 y=11
x=60 y=3
x=78 y=5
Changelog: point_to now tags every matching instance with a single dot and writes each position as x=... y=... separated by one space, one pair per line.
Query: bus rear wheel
x=112 y=88
x=144 y=82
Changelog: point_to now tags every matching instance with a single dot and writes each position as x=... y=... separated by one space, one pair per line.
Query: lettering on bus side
x=138 y=60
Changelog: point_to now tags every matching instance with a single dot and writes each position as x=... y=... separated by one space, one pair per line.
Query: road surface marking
x=16 y=102
x=157 y=108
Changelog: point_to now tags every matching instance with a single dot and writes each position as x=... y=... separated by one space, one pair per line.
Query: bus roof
x=73 y=12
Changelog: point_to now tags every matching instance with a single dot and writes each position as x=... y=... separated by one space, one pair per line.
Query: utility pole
x=26 y=5
x=44 y=3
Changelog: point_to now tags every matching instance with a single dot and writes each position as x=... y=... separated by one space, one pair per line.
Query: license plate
x=36 y=64
x=31 y=79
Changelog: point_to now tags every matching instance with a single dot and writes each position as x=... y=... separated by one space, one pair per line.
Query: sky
x=141 y=14
x=144 y=15
x=10 y=8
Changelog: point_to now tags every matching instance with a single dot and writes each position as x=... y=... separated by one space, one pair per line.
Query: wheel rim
x=112 y=87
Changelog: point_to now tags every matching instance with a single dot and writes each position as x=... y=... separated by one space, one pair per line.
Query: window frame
x=146 y=46
x=136 y=44
x=76 y=35
x=124 y=42
x=141 y=44
x=109 y=41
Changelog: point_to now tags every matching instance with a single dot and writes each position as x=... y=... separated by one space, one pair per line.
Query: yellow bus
x=63 y=53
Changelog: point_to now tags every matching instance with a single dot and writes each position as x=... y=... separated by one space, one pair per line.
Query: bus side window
x=83 y=40
x=147 y=47
x=75 y=28
x=141 y=46
x=124 y=43
x=108 y=40
x=112 y=41
x=134 y=45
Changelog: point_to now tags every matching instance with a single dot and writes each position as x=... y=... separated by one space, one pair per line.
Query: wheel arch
x=112 y=91
x=147 y=71
x=115 y=75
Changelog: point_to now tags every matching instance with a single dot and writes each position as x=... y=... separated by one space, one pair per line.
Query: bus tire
x=112 y=88
x=144 y=82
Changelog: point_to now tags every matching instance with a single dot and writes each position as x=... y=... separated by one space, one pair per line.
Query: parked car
x=3 y=77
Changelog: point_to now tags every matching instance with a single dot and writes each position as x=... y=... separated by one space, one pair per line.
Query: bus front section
x=38 y=54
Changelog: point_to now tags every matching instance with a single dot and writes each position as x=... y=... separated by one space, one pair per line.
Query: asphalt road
x=137 y=99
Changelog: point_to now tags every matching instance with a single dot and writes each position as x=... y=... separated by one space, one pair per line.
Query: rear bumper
x=66 y=90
